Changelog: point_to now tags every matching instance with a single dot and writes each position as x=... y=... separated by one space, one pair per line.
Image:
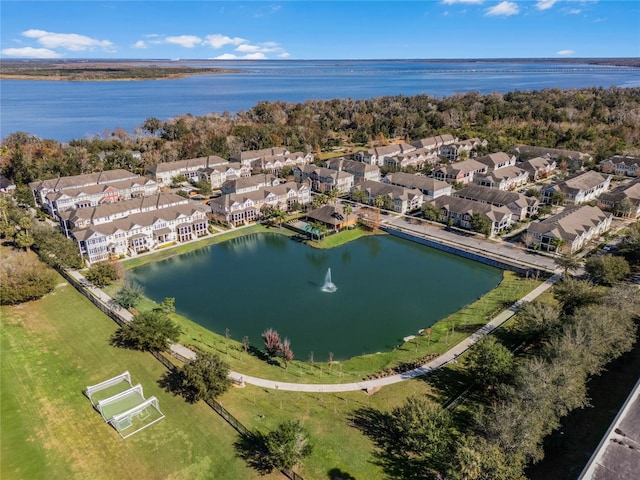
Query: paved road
x=495 y=248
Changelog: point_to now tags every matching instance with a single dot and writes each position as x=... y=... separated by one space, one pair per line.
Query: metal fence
x=111 y=311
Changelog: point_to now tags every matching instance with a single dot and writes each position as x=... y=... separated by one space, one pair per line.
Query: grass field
x=52 y=349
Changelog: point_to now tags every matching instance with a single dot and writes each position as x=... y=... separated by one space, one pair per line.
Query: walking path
x=184 y=353
x=368 y=385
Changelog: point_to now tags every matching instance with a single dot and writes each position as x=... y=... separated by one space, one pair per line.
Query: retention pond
x=386 y=289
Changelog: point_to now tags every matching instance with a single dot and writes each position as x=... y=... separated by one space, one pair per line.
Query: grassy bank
x=51 y=350
x=50 y=430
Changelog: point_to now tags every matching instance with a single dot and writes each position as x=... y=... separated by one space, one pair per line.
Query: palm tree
x=347 y=210
x=568 y=261
x=279 y=215
x=332 y=195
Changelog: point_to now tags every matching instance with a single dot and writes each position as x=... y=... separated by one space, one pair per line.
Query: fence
x=110 y=310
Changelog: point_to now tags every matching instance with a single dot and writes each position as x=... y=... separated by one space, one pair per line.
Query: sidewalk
x=445 y=358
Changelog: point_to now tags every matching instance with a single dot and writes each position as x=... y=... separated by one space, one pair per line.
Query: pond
x=387 y=288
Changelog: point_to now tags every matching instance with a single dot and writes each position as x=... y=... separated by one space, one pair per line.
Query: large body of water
x=69 y=110
x=388 y=288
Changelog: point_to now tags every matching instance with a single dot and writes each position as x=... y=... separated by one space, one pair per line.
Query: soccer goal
x=137 y=418
x=108 y=388
x=120 y=403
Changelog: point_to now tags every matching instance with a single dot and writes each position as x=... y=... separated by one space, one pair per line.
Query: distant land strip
x=99 y=71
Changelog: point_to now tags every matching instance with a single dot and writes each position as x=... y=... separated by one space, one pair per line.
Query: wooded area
x=599 y=121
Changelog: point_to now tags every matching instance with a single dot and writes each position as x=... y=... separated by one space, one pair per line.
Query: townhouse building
x=140 y=232
x=402 y=199
x=520 y=205
x=42 y=188
x=275 y=163
x=572 y=159
x=623 y=200
x=436 y=142
x=429 y=186
x=218 y=174
x=165 y=172
x=569 y=230
x=249 y=156
x=107 y=212
x=460 y=212
x=324 y=179
x=539 y=168
x=460 y=172
x=621 y=165
x=506 y=178
x=360 y=171
x=580 y=188
x=249 y=184
x=377 y=155
x=464 y=148
x=242 y=208
x=92 y=195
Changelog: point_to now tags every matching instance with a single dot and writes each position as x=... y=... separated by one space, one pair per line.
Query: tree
x=205 y=378
x=167 y=306
x=573 y=294
x=287 y=353
x=24 y=278
x=480 y=223
x=23 y=239
x=432 y=212
x=271 y=342
x=568 y=262
x=533 y=192
x=102 y=274
x=556 y=198
x=358 y=196
x=204 y=187
x=129 y=295
x=607 y=269
x=423 y=433
x=347 y=209
x=332 y=195
x=55 y=249
x=147 y=331
x=287 y=445
x=489 y=362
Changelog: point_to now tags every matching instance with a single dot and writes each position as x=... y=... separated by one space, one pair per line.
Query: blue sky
x=292 y=29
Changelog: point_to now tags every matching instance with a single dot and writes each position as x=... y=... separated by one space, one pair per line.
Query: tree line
x=599 y=121
x=517 y=400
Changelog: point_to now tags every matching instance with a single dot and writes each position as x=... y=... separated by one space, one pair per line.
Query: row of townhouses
x=242 y=208
x=571 y=229
x=217 y=170
x=139 y=232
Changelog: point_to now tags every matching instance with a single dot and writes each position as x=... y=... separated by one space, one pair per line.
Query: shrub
x=24 y=278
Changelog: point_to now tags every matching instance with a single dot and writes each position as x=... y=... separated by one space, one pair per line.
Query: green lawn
x=52 y=349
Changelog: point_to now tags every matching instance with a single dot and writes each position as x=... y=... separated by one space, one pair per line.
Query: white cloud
x=186 y=41
x=545 y=4
x=574 y=11
x=503 y=9
x=284 y=55
x=69 y=41
x=140 y=44
x=255 y=56
x=219 y=41
x=250 y=56
x=226 y=56
x=452 y=2
x=30 y=52
x=565 y=52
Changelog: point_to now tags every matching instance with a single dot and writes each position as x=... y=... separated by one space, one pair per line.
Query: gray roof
x=98 y=188
x=464 y=166
x=618 y=159
x=385 y=189
x=152 y=202
x=189 y=163
x=255 y=154
x=328 y=214
x=630 y=190
x=504 y=173
x=420 y=182
x=463 y=205
x=580 y=182
x=76 y=181
x=494 y=159
x=495 y=196
x=350 y=166
x=571 y=223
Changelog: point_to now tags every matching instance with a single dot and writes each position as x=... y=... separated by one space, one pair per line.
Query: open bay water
x=388 y=288
x=63 y=111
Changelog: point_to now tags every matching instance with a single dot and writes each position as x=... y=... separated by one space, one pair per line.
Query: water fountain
x=328 y=286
